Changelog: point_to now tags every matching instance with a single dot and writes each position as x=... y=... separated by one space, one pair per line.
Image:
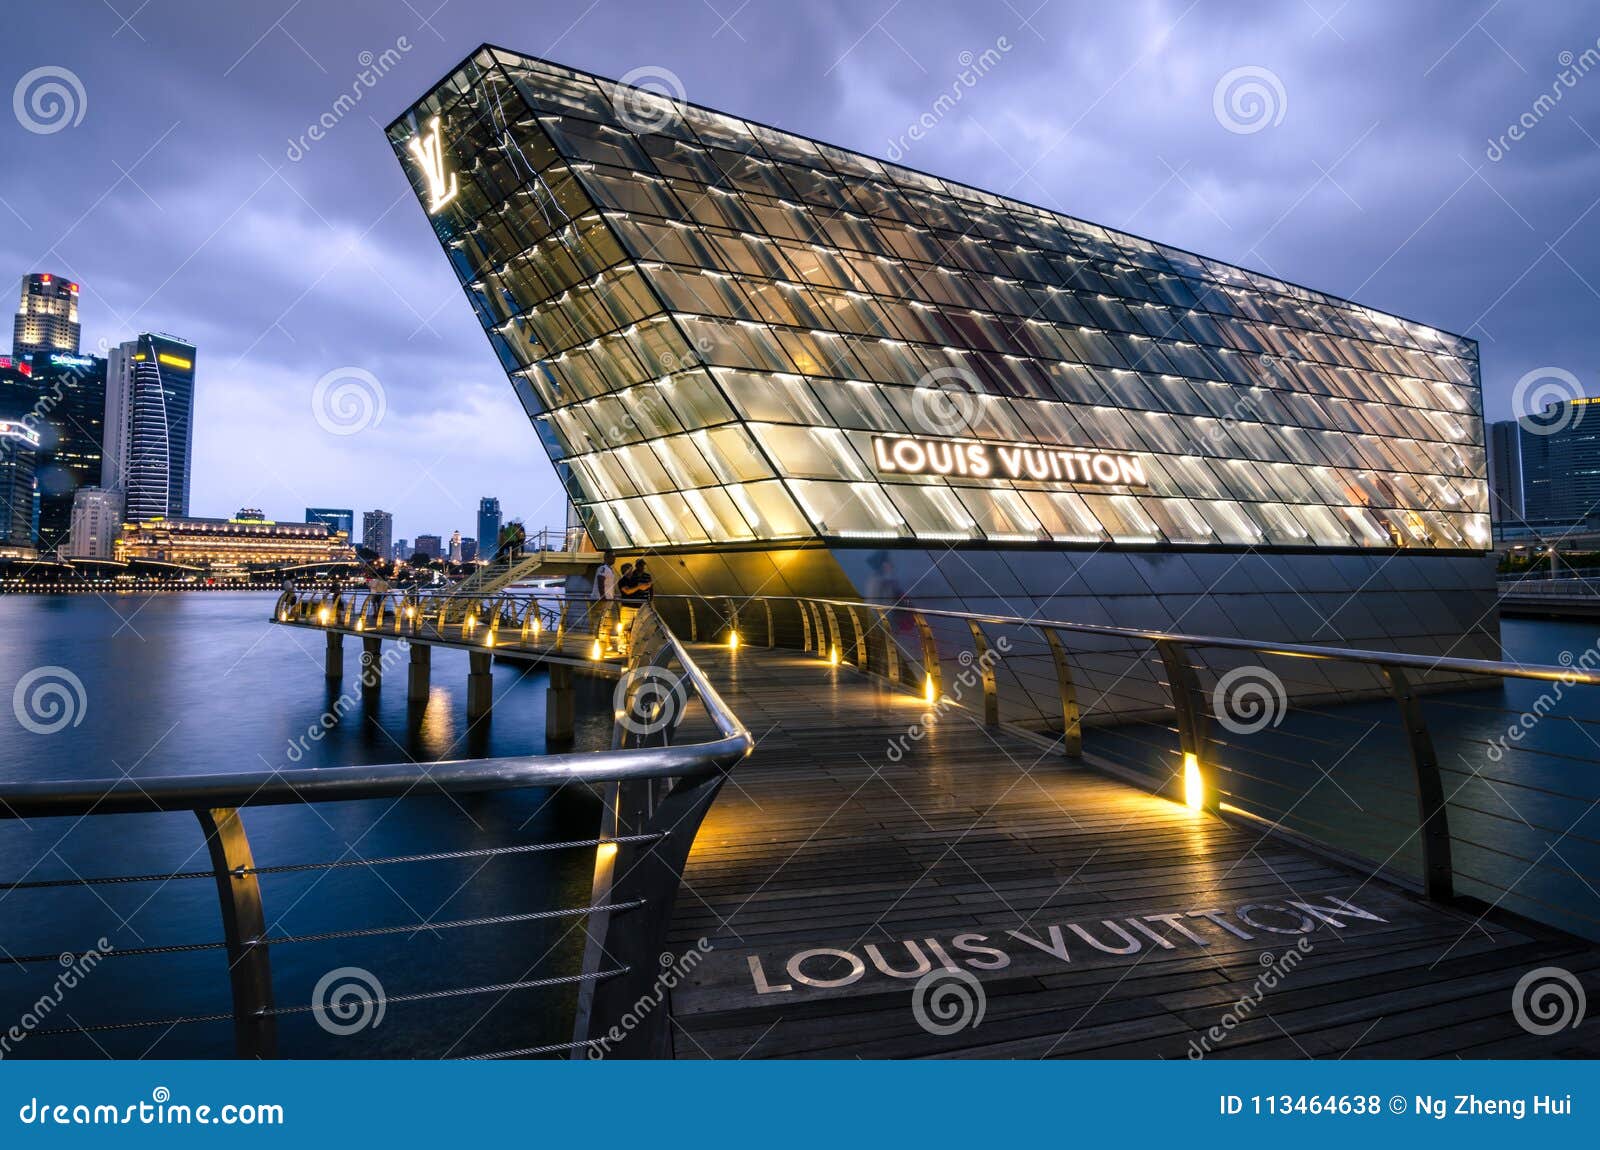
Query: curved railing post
x=767 y=603
x=985 y=665
x=1188 y=705
x=694 y=625
x=891 y=653
x=244 y=930
x=805 y=622
x=1071 y=719
x=820 y=645
x=933 y=680
x=834 y=641
x=861 y=638
x=733 y=616
x=1438 y=872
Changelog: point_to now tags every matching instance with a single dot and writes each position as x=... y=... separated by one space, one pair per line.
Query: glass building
x=791 y=365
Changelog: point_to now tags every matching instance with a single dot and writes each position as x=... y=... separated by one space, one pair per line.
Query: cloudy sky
x=1371 y=166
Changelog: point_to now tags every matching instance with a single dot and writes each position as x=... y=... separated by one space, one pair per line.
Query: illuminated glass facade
x=728 y=334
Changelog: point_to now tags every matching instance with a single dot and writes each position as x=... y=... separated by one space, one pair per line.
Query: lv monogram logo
x=427 y=149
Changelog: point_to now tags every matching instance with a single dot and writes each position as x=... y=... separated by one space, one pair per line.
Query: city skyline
x=1399 y=156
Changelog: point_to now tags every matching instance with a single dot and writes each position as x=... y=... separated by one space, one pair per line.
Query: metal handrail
x=639 y=855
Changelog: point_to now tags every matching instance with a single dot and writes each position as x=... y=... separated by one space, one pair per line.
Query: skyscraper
x=1505 y=472
x=337 y=519
x=377 y=532
x=469 y=550
x=1560 y=449
x=18 y=442
x=488 y=526
x=149 y=425
x=96 y=523
x=455 y=546
x=69 y=405
x=47 y=318
x=430 y=545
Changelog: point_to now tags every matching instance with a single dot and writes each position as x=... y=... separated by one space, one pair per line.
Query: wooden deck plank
x=862 y=830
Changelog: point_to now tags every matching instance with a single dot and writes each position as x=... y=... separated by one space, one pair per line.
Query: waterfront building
x=68 y=409
x=469 y=550
x=430 y=545
x=240 y=544
x=1560 y=450
x=337 y=519
x=96 y=522
x=488 y=525
x=19 y=444
x=149 y=425
x=796 y=368
x=377 y=532
x=47 y=317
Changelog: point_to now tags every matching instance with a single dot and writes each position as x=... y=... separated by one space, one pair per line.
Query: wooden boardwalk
x=1070 y=903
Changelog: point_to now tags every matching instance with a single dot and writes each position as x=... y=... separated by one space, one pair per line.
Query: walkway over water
x=855 y=843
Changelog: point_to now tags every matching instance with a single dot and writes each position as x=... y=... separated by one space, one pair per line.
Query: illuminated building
x=791 y=367
x=455 y=547
x=47 y=317
x=430 y=545
x=96 y=521
x=1560 y=458
x=337 y=519
x=240 y=543
x=377 y=531
x=18 y=444
x=149 y=425
x=488 y=526
x=469 y=550
x=69 y=405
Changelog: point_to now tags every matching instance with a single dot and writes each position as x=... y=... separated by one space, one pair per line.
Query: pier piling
x=417 y=680
x=480 y=685
x=333 y=662
x=560 y=706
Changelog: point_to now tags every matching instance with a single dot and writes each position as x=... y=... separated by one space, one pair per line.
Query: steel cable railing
x=655 y=792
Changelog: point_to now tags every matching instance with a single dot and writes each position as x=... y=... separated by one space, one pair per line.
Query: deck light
x=594 y=649
x=927 y=688
x=733 y=640
x=833 y=656
x=1194 y=791
x=322 y=615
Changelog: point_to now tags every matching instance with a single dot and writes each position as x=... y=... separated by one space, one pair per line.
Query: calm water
x=199 y=683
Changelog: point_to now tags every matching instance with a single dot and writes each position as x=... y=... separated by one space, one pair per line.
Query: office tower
x=430 y=545
x=469 y=550
x=47 y=318
x=96 y=523
x=1505 y=472
x=455 y=547
x=149 y=425
x=18 y=444
x=377 y=532
x=68 y=413
x=1560 y=450
x=488 y=525
x=337 y=519
x=402 y=550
